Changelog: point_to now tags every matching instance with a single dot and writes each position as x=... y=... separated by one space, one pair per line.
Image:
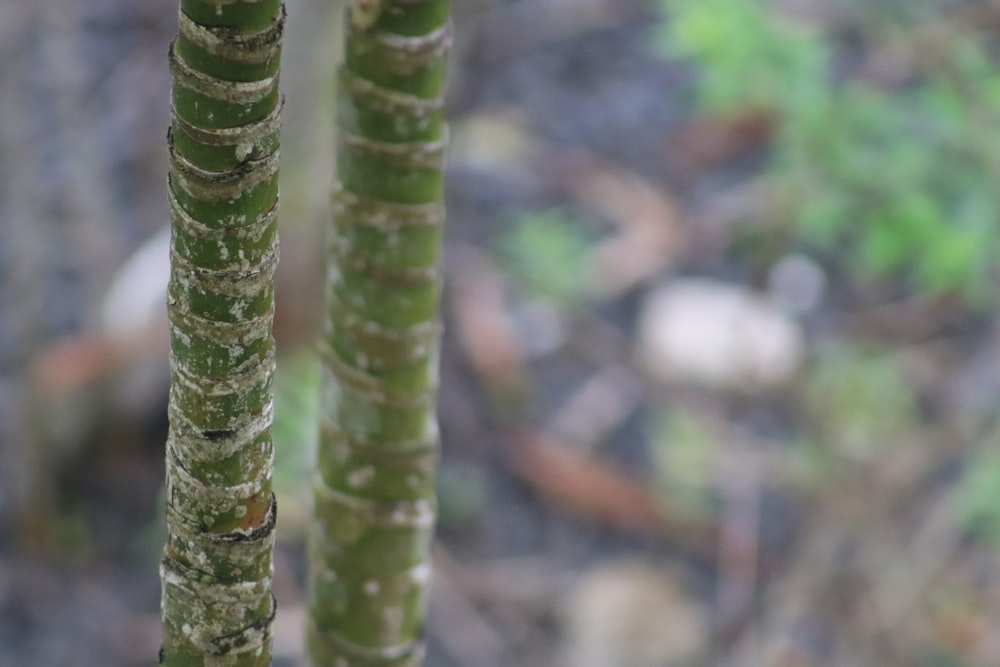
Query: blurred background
x=720 y=375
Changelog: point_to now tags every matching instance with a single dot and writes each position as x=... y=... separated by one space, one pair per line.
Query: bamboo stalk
x=374 y=490
x=216 y=571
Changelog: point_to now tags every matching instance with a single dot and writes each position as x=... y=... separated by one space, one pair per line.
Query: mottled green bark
x=374 y=496
x=217 y=604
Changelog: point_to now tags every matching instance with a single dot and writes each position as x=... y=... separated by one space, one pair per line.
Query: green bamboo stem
x=374 y=487
x=217 y=605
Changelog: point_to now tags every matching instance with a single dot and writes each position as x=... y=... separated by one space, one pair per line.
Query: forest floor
x=720 y=373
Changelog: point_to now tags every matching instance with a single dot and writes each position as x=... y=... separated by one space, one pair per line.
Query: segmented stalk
x=374 y=489
x=217 y=604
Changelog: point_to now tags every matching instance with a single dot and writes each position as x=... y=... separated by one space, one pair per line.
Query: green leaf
x=548 y=254
x=979 y=494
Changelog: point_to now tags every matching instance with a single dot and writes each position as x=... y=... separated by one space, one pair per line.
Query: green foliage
x=685 y=453
x=462 y=493
x=898 y=182
x=547 y=253
x=857 y=408
x=747 y=56
x=296 y=409
x=979 y=495
x=860 y=402
x=942 y=657
x=294 y=433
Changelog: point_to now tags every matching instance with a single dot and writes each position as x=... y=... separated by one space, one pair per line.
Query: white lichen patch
x=243 y=150
x=235 y=352
x=371 y=587
x=334 y=277
x=364 y=13
x=360 y=476
x=420 y=575
x=392 y=618
x=238 y=309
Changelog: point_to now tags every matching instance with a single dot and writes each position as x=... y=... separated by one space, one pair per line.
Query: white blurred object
x=798 y=282
x=497 y=141
x=632 y=614
x=134 y=323
x=717 y=335
x=137 y=297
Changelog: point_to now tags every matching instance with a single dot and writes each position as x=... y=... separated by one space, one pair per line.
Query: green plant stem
x=374 y=493
x=217 y=604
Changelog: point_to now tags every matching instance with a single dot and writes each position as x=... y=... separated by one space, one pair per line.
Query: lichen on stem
x=374 y=486
x=217 y=604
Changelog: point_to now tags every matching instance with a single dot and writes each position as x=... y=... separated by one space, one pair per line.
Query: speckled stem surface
x=374 y=486
x=217 y=605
